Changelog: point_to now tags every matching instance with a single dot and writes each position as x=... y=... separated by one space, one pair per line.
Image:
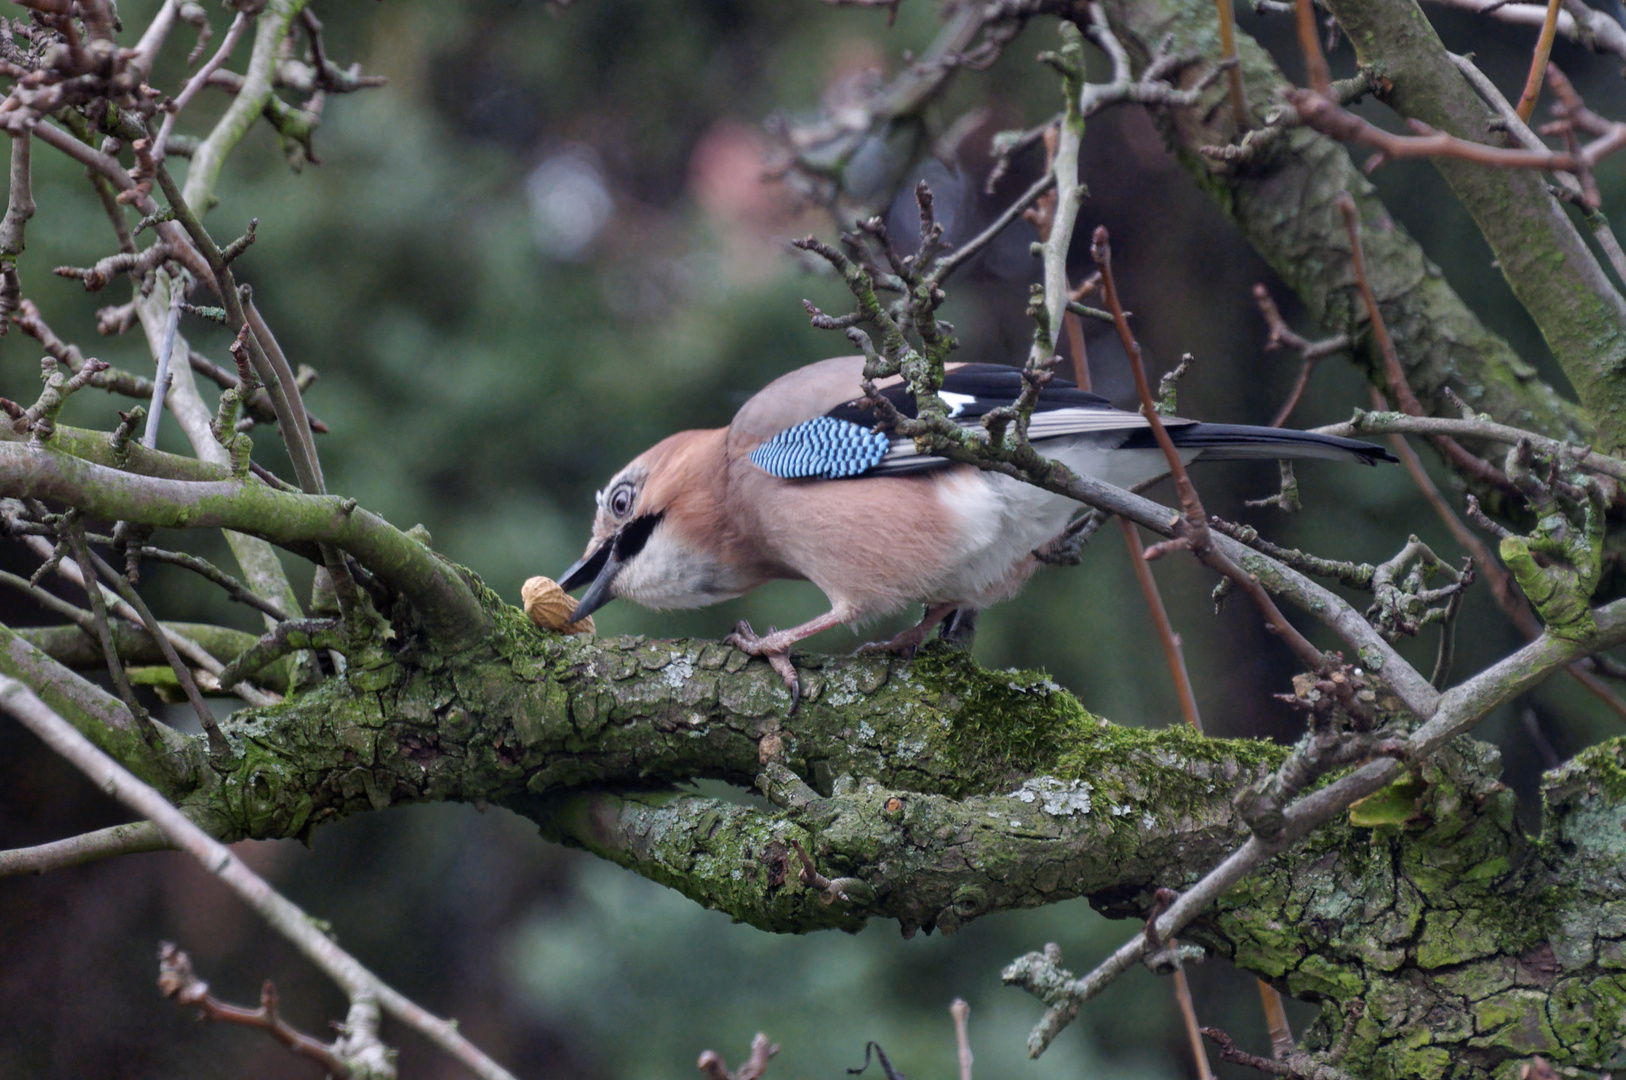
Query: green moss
x=1010 y=723
x=1604 y=764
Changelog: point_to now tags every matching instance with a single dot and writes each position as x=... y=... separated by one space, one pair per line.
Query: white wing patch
x=955 y=402
x=1104 y=424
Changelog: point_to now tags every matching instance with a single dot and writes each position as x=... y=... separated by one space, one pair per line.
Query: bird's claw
x=776 y=653
x=905 y=645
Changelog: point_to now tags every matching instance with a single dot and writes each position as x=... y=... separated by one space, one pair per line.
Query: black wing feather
x=974 y=390
x=988 y=386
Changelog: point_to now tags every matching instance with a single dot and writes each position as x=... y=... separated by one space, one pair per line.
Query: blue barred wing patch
x=823 y=447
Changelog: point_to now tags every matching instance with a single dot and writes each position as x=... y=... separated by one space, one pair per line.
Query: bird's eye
x=621 y=501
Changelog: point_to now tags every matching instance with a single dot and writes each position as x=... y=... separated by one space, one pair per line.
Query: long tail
x=1235 y=442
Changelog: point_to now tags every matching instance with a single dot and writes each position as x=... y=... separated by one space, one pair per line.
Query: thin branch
x=1310 y=352
x=180 y=643
x=199 y=79
x=1172 y=653
x=218 y=746
x=1520 y=132
x=1481 y=427
x=104 y=632
x=178 y=981
x=204 y=568
x=1316 y=71
x=1538 y=62
x=1281 y=1034
x=1057 y=234
x=1239 y=101
x=1332 y=120
x=160 y=383
x=282 y=914
x=1188 y=1015
x=274 y=21
x=1600 y=31
x=1396 y=375
x=19 y=209
x=440 y=594
x=962 y=1035
x=1192 y=532
x=952 y=261
x=73 y=613
x=131 y=839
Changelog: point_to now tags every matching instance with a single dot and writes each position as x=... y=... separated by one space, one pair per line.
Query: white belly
x=1004 y=520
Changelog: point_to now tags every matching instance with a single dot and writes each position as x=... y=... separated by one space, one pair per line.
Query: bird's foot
x=905 y=644
x=908 y=643
x=774 y=647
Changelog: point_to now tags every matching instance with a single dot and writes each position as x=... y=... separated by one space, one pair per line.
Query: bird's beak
x=600 y=566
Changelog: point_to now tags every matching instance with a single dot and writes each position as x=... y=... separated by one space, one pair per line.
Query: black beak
x=600 y=566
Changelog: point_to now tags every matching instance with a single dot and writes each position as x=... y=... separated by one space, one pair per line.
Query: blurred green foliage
x=482 y=372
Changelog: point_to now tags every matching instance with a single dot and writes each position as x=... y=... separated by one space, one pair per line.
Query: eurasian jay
x=801 y=486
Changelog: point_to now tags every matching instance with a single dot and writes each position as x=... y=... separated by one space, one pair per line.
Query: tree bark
x=936 y=792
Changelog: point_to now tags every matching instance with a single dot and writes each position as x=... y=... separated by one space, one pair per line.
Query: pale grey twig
x=199 y=79
x=88 y=847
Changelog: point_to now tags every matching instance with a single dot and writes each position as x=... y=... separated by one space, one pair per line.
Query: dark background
x=542 y=247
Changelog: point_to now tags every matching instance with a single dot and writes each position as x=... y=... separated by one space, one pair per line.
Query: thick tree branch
x=440 y=593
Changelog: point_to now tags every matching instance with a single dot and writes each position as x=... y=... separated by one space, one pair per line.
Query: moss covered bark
x=936 y=792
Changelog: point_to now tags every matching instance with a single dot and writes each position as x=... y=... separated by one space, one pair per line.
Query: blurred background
x=546 y=244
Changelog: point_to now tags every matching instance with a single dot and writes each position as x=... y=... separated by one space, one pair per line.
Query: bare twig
x=962 y=1035
x=1315 y=61
x=1239 y=101
x=1330 y=119
x=19 y=209
x=1310 y=352
x=89 y=847
x=1520 y=132
x=957 y=258
x=1188 y=1014
x=711 y=1062
x=1192 y=530
x=218 y=746
x=1281 y=1034
x=194 y=652
x=199 y=79
x=1453 y=450
x=1480 y=427
x=160 y=383
x=178 y=981
x=204 y=568
x=104 y=633
x=1538 y=62
x=1596 y=28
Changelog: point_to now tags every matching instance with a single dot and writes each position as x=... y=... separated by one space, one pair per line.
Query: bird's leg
x=774 y=646
x=906 y=643
x=960 y=628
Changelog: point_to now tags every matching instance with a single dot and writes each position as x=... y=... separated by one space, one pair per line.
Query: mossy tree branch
x=434 y=586
x=937 y=793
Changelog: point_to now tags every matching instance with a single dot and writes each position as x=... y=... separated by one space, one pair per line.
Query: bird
x=806 y=483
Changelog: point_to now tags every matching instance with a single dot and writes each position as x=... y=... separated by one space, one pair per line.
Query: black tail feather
x=1240 y=442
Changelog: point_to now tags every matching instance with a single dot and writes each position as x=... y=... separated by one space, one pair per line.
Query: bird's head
x=649 y=531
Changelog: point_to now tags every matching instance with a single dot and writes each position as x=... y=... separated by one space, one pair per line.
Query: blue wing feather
x=822 y=447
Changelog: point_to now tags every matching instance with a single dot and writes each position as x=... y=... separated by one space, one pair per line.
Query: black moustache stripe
x=635 y=534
